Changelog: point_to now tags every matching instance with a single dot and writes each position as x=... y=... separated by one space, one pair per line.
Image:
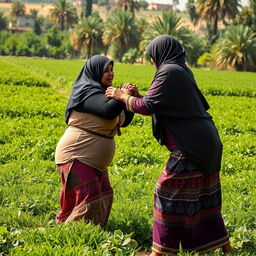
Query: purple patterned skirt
x=187 y=209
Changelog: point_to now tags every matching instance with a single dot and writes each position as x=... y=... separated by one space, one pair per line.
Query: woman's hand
x=117 y=94
x=132 y=88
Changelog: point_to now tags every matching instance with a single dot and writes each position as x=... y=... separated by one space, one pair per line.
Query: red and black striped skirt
x=86 y=194
x=187 y=209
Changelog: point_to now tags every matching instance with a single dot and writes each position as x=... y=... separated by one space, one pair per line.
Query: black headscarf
x=88 y=82
x=178 y=105
x=165 y=49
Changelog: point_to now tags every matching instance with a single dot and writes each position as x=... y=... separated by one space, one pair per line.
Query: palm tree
x=253 y=6
x=38 y=21
x=3 y=21
x=120 y=29
x=245 y=17
x=216 y=10
x=129 y=5
x=238 y=48
x=34 y=13
x=87 y=34
x=169 y=24
x=17 y=9
x=142 y=25
x=88 y=8
x=191 y=10
x=63 y=14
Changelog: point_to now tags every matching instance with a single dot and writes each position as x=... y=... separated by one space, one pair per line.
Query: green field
x=33 y=97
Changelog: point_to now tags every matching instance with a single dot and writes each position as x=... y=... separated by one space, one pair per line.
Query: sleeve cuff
x=129 y=103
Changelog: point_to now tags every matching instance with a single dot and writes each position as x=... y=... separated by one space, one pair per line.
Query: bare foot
x=155 y=254
x=227 y=249
x=142 y=253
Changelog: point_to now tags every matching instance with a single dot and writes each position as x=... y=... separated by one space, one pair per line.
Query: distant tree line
x=65 y=34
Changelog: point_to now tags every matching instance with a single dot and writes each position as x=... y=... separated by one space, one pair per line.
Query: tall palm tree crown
x=3 y=21
x=34 y=13
x=253 y=6
x=129 y=5
x=17 y=9
x=120 y=29
x=191 y=10
x=238 y=48
x=88 y=8
x=169 y=24
x=63 y=14
x=87 y=34
x=216 y=10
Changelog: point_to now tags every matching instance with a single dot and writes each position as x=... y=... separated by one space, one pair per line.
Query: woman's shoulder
x=170 y=70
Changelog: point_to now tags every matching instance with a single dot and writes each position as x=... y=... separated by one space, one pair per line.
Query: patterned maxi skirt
x=187 y=209
x=85 y=194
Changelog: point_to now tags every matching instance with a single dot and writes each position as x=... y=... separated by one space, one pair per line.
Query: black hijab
x=165 y=49
x=178 y=105
x=179 y=92
x=88 y=82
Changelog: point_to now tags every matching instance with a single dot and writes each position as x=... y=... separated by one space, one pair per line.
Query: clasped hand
x=121 y=94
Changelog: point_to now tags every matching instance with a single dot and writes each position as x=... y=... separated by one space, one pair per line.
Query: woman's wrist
x=125 y=97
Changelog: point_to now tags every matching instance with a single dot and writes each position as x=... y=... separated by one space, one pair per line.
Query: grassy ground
x=33 y=96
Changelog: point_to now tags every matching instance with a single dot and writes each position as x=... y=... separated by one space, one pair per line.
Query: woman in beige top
x=87 y=147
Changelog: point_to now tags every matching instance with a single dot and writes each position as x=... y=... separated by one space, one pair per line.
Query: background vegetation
x=33 y=96
x=219 y=34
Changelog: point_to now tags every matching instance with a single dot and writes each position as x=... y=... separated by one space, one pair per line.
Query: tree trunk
x=121 y=51
x=215 y=25
x=120 y=54
x=62 y=25
x=253 y=5
x=132 y=11
x=88 y=8
x=89 y=49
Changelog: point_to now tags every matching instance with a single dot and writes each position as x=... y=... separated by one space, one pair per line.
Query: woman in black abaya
x=187 y=197
x=87 y=147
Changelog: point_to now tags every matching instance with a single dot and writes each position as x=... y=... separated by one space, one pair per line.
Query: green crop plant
x=32 y=122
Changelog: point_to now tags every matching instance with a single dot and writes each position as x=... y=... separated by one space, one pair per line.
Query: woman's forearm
x=101 y=106
x=117 y=94
x=124 y=98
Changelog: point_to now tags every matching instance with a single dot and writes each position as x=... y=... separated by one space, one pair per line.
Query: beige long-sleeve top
x=88 y=148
